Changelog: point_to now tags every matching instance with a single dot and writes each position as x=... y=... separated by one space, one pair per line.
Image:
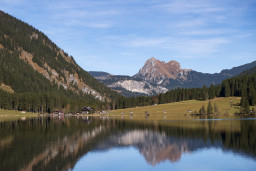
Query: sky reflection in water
x=130 y=159
x=96 y=144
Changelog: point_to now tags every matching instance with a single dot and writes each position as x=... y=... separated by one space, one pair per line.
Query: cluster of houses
x=84 y=110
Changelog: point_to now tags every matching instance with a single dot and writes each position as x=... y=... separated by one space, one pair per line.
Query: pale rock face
x=139 y=87
x=72 y=78
x=88 y=90
x=154 y=146
x=158 y=71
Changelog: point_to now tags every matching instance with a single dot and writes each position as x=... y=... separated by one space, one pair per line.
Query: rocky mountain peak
x=158 y=71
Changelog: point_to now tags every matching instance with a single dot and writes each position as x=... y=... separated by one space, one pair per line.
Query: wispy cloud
x=13 y=2
x=194 y=22
x=142 y=28
x=91 y=14
x=191 y=7
x=184 y=46
x=147 y=42
x=89 y=24
x=196 y=48
x=209 y=32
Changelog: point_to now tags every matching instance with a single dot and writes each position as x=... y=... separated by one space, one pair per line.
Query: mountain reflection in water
x=54 y=144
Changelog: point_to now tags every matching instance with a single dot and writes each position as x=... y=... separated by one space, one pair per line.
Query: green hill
x=36 y=75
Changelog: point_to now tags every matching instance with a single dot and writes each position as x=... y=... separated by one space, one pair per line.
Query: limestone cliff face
x=156 y=71
x=127 y=85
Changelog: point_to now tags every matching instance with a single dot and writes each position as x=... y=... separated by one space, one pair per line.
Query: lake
x=90 y=143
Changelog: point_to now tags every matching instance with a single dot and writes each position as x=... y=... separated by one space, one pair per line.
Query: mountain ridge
x=166 y=76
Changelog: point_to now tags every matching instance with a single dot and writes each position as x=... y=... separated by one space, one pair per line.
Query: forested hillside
x=242 y=86
x=37 y=76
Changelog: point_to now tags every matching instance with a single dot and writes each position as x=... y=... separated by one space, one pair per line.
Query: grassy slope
x=14 y=114
x=179 y=110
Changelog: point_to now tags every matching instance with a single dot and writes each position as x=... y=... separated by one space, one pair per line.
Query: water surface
x=97 y=144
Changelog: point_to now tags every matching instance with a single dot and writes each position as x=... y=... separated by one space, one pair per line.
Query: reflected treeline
x=47 y=143
x=167 y=141
x=54 y=144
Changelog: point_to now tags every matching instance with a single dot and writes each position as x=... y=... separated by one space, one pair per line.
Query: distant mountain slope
x=171 y=75
x=98 y=73
x=31 y=63
x=128 y=86
x=158 y=76
x=237 y=70
x=249 y=71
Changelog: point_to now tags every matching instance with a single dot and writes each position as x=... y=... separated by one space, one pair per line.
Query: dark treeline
x=57 y=98
x=34 y=137
x=35 y=93
x=29 y=90
x=48 y=102
x=16 y=36
x=242 y=86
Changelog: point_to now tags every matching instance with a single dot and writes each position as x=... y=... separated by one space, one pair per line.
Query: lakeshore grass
x=178 y=114
x=6 y=115
x=179 y=110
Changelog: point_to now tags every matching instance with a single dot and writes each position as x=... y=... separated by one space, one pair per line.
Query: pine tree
x=209 y=108
x=202 y=110
x=216 y=109
x=252 y=94
x=205 y=93
x=247 y=107
x=253 y=111
x=211 y=92
x=226 y=88
x=244 y=103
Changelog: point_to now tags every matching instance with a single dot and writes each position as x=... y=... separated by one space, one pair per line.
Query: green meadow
x=6 y=115
x=227 y=107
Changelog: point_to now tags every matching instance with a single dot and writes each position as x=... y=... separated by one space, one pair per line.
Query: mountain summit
x=157 y=71
x=157 y=77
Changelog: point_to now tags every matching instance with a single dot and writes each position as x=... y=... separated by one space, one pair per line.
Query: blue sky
x=118 y=36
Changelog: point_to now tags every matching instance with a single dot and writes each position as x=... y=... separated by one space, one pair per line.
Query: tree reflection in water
x=55 y=144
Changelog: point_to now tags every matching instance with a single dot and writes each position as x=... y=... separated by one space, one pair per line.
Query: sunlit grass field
x=179 y=114
x=6 y=115
x=179 y=110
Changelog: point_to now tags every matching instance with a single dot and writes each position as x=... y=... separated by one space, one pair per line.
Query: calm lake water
x=103 y=144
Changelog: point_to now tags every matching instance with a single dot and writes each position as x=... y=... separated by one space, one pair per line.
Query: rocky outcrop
x=127 y=85
x=139 y=87
x=155 y=71
x=73 y=82
x=158 y=76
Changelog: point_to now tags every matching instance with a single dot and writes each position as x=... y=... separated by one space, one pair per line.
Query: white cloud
x=147 y=42
x=209 y=32
x=185 y=46
x=12 y=2
x=199 y=47
x=191 y=7
x=89 y=24
x=190 y=23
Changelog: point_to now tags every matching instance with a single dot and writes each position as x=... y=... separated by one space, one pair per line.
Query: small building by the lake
x=87 y=110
